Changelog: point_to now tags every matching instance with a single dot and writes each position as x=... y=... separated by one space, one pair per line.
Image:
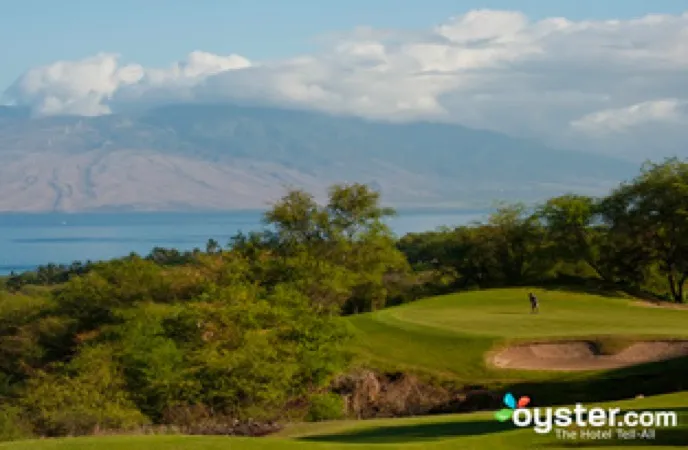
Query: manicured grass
x=450 y=335
x=505 y=313
x=477 y=431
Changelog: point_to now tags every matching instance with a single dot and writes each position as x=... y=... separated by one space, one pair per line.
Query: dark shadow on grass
x=595 y=287
x=416 y=432
x=618 y=384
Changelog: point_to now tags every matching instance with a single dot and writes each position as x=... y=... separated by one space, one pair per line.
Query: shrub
x=12 y=424
x=84 y=398
x=325 y=407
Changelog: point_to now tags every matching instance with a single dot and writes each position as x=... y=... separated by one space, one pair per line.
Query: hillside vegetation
x=318 y=318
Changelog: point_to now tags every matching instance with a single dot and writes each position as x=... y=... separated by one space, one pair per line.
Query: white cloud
x=555 y=79
x=74 y=87
x=619 y=120
x=197 y=66
x=85 y=87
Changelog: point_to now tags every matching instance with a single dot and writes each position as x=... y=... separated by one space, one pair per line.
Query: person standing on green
x=534 y=307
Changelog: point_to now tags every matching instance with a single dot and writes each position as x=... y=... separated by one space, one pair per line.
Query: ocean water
x=29 y=240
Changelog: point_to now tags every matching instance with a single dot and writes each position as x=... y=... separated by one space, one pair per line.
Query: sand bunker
x=584 y=355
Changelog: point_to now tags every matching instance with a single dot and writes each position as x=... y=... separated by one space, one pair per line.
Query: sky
x=156 y=32
x=608 y=74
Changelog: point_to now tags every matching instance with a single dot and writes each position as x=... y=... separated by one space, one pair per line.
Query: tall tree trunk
x=677 y=286
x=681 y=284
x=672 y=284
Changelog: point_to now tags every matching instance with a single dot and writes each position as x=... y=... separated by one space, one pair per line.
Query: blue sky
x=158 y=32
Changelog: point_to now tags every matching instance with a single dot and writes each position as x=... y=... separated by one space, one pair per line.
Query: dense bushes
x=85 y=395
x=325 y=406
x=127 y=348
x=12 y=425
x=140 y=348
x=248 y=333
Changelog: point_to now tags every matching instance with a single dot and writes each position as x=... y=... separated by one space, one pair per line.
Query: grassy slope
x=448 y=337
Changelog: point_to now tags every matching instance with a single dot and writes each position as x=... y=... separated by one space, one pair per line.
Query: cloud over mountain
x=86 y=87
x=566 y=82
x=619 y=120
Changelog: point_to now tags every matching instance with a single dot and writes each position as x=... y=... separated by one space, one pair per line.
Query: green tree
x=340 y=254
x=154 y=365
x=650 y=215
x=212 y=246
x=517 y=241
x=574 y=231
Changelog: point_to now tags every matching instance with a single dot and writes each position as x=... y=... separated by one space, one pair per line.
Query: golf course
x=327 y=331
x=460 y=337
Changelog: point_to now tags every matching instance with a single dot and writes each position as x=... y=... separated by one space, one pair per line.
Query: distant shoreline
x=405 y=209
x=28 y=240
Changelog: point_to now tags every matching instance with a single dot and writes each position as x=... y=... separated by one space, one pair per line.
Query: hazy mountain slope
x=221 y=157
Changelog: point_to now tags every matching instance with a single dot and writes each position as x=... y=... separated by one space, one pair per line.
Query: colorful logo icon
x=505 y=414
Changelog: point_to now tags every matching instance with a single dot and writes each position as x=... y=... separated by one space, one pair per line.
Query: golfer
x=534 y=307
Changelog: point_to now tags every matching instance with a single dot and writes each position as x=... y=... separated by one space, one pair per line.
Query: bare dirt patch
x=584 y=355
x=368 y=394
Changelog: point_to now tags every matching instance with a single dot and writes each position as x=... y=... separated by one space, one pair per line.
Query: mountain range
x=221 y=157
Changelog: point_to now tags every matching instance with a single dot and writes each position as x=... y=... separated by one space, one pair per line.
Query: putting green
x=452 y=335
